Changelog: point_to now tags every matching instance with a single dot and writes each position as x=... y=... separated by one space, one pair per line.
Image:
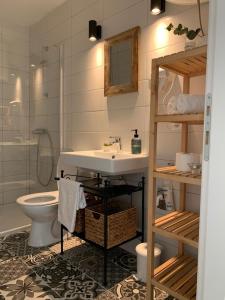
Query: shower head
x=39 y=131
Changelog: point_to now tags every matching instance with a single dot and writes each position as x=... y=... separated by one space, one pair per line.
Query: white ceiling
x=186 y=2
x=26 y=12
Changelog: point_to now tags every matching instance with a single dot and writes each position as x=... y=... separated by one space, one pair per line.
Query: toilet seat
x=39 y=199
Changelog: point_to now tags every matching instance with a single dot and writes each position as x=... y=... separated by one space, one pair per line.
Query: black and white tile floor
x=31 y=273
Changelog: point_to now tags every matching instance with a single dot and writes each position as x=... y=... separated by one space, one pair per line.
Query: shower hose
x=38 y=159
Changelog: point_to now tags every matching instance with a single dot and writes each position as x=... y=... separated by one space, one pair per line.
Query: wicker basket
x=122 y=225
x=80 y=222
x=80 y=218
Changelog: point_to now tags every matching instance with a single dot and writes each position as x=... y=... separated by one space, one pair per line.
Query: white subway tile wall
x=89 y=117
x=14 y=112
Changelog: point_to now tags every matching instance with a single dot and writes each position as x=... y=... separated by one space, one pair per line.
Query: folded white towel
x=172 y=106
x=71 y=199
x=186 y=104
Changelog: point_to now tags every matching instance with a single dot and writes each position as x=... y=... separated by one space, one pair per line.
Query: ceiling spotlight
x=12 y=74
x=158 y=7
x=32 y=65
x=95 y=31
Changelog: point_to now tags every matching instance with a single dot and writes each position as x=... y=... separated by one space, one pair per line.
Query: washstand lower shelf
x=82 y=236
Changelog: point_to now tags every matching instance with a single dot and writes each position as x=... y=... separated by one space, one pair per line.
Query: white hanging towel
x=71 y=199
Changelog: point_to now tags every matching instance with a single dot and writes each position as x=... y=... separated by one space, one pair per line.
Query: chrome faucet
x=116 y=140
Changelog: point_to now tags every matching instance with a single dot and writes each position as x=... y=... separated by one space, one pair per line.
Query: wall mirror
x=121 y=63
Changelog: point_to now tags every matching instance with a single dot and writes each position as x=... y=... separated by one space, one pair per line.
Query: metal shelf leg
x=143 y=210
x=105 y=240
x=61 y=242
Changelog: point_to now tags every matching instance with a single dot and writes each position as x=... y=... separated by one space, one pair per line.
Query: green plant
x=191 y=34
x=181 y=30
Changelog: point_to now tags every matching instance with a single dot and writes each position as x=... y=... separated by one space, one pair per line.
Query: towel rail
x=68 y=176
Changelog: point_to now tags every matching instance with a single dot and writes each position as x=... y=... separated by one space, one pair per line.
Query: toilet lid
x=41 y=199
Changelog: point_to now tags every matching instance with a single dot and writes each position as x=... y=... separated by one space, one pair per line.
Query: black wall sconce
x=95 y=31
x=158 y=7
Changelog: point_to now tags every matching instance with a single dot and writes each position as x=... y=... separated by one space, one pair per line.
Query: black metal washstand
x=105 y=192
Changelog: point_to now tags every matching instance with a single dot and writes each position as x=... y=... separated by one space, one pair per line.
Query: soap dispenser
x=135 y=143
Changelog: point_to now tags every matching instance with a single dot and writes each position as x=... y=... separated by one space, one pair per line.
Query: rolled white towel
x=187 y=104
x=172 y=106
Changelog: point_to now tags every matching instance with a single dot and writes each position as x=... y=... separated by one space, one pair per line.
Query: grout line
x=121 y=11
x=14 y=230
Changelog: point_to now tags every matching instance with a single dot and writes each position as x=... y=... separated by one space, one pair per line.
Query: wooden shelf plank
x=182 y=226
x=178 y=277
x=170 y=173
x=185 y=118
x=188 y=63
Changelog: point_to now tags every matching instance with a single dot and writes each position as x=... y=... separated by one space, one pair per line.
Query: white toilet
x=42 y=208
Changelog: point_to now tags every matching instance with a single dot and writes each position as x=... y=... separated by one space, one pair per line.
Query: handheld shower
x=40 y=132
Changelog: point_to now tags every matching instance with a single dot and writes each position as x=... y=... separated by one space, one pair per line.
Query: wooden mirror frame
x=123 y=88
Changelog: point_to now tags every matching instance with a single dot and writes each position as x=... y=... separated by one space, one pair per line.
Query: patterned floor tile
x=57 y=272
x=27 y=287
x=124 y=259
x=1 y=296
x=12 y=269
x=20 y=248
x=2 y=246
x=42 y=273
x=107 y=296
x=82 y=287
x=39 y=257
x=4 y=255
x=15 y=238
x=94 y=267
x=67 y=244
x=79 y=253
x=160 y=295
x=129 y=289
x=13 y=243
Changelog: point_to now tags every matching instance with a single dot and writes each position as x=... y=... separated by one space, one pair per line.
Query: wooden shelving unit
x=178 y=275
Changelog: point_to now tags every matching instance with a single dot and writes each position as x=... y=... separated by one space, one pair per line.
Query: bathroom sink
x=106 y=162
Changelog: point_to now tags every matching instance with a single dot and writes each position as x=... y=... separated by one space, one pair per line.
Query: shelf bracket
x=207 y=125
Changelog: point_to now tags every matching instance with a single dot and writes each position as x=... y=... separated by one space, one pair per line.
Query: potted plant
x=190 y=34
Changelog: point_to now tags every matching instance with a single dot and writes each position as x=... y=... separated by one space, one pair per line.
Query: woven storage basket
x=122 y=225
x=80 y=222
x=80 y=218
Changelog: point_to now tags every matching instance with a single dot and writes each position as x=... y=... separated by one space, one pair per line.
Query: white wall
x=90 y=118
x=14 y=121
x=212 y=245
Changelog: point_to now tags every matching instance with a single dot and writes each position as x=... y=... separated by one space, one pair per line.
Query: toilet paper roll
x=183 y=159
x=141 y=250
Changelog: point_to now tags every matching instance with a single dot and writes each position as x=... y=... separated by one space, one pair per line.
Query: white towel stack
x=71 y=199
x=186 y=104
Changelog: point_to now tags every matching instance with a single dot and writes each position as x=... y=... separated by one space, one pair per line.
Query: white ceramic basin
x=106 y=162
